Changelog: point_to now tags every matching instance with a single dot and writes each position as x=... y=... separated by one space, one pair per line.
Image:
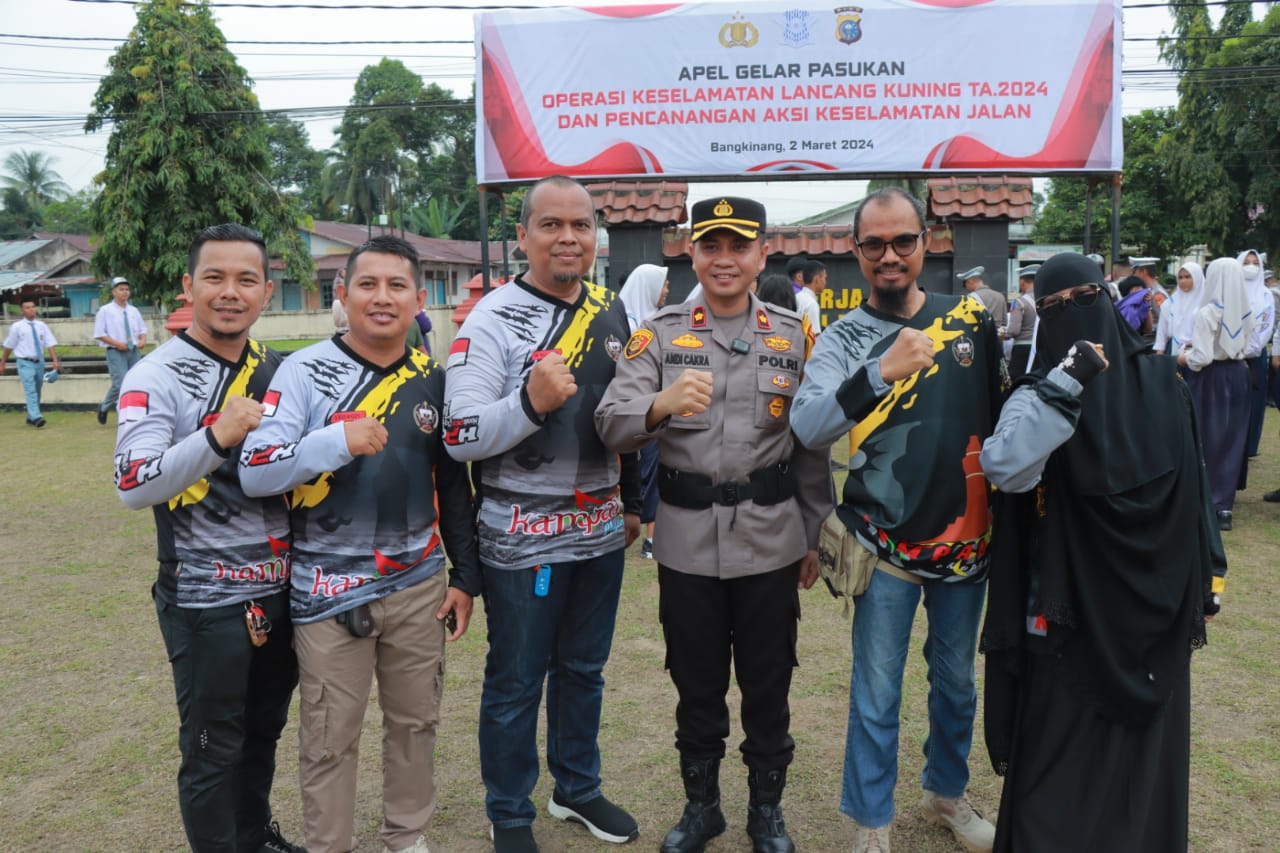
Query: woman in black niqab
x=1102 y=572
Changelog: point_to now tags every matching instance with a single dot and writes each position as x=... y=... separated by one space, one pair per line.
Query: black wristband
x=224 y=452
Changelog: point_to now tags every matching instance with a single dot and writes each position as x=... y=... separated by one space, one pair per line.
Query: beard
x=567 y=277
x=893 y=300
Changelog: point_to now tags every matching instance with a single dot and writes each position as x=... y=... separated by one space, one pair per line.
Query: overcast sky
x=46 y=85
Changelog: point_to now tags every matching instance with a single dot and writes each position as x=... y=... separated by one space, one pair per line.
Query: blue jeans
x=881 y=630
x=31 y=374
x=118 y=364
x=565 y=638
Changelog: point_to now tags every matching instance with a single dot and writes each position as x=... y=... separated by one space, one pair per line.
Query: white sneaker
x=869 y=839
x=974 y=832
x=419 y=846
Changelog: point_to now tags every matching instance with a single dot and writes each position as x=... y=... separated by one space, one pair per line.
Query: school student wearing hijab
x=1106 y=564
x=1263 y=308
x=644 y=292
x=1178 y=315
x=1215 y=371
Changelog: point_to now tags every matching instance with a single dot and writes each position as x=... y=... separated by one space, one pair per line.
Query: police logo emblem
x=848 y=24
x=426 y=417
x=962 y=349
x=639 y=341
x=776 y=405
x=781 y=381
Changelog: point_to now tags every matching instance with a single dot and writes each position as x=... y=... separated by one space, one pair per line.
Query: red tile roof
x=80 y=241
x=980 y=197
x=640 y=202
x=811 y=240
x=430 y=249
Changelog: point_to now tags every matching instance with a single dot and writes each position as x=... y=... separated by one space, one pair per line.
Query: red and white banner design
x=709 y=89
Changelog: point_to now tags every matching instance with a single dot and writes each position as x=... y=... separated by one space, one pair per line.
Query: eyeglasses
x=904 y=245
x=1082 y=296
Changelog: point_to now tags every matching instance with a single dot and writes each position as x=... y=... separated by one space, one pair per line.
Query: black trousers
x=706 y=622
x=233 y=702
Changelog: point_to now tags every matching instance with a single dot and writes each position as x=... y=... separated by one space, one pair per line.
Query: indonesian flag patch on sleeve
x=270 y=401
x=458 y=352
x=133 y=406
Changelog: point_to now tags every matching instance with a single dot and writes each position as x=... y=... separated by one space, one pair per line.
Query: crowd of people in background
x=304 y=508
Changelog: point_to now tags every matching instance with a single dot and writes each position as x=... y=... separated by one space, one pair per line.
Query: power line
x=245 y=41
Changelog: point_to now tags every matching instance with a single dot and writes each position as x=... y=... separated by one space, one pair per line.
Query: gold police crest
x=739 y=32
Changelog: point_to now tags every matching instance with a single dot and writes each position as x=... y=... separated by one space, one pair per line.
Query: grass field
x=88 y=748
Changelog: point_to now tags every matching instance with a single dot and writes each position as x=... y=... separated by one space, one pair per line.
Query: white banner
x=710 y=89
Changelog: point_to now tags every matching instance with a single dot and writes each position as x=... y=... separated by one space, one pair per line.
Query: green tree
x=188 y=149
x=296 y=167
x=1154 y=213
x=18 y=219
x=71 y=215
x=31 y=173
x=1225 y=149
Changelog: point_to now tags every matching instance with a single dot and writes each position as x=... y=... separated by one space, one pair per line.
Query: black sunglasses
x=1083 y=296
x=904 y=245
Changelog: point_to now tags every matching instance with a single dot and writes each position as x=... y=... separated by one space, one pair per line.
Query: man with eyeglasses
x=915 y=376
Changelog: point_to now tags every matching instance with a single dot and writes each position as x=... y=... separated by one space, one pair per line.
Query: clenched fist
x=912 y=350
x=550 y=384
x=365 y=436
x=238 y=417
x=690 y=393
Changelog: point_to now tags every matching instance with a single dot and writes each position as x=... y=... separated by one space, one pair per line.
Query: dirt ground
x=88 y=749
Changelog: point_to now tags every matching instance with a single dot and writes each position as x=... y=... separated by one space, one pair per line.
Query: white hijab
x=640 y=294
x=1225 y=304
x=1182 y=306
x=1257 y=286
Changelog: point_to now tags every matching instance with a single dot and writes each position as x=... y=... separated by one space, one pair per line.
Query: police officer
x=1022 y=321
x=740 y=504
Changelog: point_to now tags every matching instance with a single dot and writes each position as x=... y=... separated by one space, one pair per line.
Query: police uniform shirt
x=22 y=343
x=548 y=488
x=915 y=492
x=1022 y=319
x=364 y=527
x=744 y=429
x=216 y=546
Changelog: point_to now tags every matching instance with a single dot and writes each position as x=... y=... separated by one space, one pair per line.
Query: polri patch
x=777 y=344
x=639 y=341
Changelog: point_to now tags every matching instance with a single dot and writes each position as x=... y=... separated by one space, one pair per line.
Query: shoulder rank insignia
x=688 y=341
x=637 y=343
x=698 y=317
x=777 y=344
x=762 y=319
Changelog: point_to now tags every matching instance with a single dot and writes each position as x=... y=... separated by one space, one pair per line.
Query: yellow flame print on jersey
x=239 y=387
x=377 y=403
x=574 y=343
x=965 y=316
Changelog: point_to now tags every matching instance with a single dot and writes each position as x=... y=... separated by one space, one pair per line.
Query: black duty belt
x=691 y=490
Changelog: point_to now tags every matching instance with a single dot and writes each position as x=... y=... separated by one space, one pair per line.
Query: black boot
x=764 y=812
x=702 y=819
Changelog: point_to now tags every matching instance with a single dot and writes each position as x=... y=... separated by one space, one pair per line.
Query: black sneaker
x=646 y=550
x=38 y=422
x=102 y=416
x=513 y=839
x=602 y=818
x=273 y=841
x=1272 y=497
x=1224 y=520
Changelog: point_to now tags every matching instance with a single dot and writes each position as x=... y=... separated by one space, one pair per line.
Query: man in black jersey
x=222 y=592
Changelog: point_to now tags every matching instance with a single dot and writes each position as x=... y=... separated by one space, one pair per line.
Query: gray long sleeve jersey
x=1029 y=430
x=216 y=545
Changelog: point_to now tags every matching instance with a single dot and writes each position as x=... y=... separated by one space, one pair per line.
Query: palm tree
x=31 y=173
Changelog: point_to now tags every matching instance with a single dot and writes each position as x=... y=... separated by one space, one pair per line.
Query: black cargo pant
x=233 y=702
x=707 y=622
